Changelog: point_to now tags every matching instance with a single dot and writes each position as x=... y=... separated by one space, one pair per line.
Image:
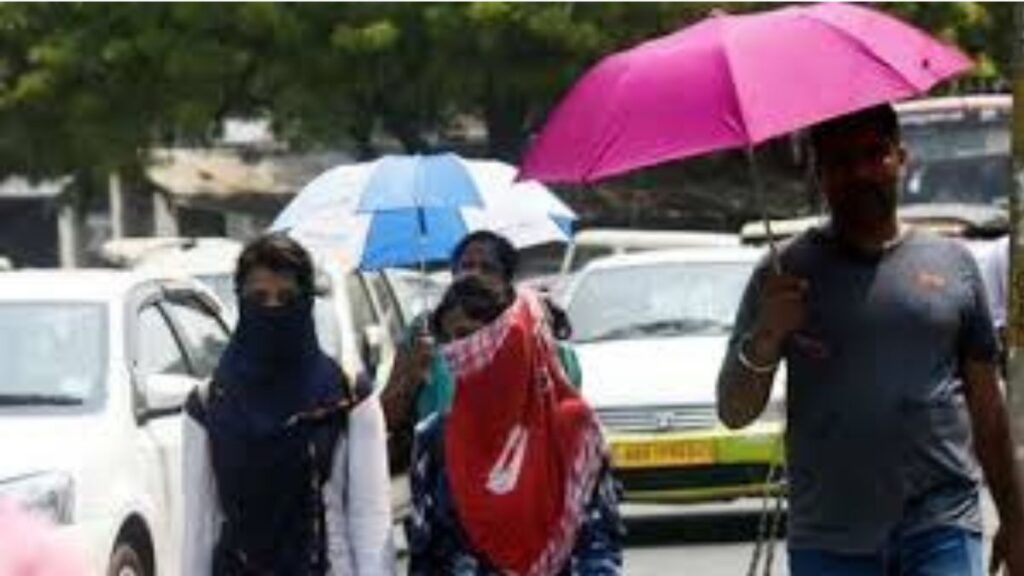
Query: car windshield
x=416 y=292
x=52 y=353
x=584 y=254
x=662 y=299
x=955 y=158
x=223 y=285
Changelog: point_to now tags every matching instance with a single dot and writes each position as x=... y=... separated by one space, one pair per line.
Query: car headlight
x=49 y=494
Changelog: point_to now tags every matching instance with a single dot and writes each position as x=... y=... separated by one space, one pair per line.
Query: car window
x=327 y=331
x=52 y=349
x=582 y=255
x=223 y=285
x=416 y=293
x=957 y=157
x=658 y=300
x=204 y=335
x=363 y=314
x=389 y=307
x=159 y=351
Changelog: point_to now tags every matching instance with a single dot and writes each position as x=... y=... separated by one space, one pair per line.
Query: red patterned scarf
x=522 y=449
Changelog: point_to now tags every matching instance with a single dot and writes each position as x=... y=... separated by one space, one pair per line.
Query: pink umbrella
x=30 y=546
x=733 y=81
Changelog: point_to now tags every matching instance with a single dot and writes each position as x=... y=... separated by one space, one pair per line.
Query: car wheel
x=126 y=561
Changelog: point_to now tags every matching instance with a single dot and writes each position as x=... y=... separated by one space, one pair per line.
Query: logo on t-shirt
x=929 y=282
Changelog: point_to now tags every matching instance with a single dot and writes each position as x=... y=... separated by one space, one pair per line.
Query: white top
x=356 y=501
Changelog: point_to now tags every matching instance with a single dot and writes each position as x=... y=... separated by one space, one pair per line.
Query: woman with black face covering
x=284 y=473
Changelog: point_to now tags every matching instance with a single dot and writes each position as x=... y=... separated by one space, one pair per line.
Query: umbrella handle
x=762 y=201
x=421 y=237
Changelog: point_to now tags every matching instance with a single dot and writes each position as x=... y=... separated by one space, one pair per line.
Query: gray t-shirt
x=994 y=262
x=878 y=434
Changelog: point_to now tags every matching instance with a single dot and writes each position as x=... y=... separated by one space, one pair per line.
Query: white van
x=957 y=180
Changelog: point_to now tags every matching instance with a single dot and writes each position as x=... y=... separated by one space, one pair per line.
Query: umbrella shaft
x=762 y=201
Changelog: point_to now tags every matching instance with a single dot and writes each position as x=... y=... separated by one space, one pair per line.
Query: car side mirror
x=164 y=394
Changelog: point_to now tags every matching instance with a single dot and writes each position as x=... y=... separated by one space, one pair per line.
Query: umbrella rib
x=740 y=108
x=866 y=48
x=607 y=140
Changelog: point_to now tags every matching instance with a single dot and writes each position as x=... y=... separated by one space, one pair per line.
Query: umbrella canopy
x=733 y=81
x=404 y=210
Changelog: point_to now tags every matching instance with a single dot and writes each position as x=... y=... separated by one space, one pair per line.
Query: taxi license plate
x=662 y=453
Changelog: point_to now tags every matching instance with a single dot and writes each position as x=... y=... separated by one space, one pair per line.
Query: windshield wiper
x=39 y=400
x=661 y=328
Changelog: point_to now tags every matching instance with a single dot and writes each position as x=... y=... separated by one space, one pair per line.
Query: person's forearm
x=744 y=388
x=996 y=453
x=994 y=442
x=398 y=400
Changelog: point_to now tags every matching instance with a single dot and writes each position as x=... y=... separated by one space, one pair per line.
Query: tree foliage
x=88 y=88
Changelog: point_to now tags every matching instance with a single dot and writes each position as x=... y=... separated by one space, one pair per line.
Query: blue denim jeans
x=938 y=552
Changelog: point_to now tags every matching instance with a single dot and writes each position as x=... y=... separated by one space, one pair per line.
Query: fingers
x=782 y=308
x=996 y=561
x=788 y=296
x=785 y=283
x=785 y=288
x=415 y=358
x=424 y=347
x=422 y=353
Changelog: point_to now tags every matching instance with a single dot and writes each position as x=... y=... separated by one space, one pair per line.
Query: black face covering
x=273 y=367
x=866 y=204
x=279 y=336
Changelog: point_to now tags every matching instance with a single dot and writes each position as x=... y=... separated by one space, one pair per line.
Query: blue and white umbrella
x=404 y=210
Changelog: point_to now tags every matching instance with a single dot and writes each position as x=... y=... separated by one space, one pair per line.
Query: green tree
x=89 y=88
x=92 y=87
x=984 y=30
x=514 y=60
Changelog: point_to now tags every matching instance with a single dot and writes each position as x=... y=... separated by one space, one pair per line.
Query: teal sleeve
x=571 y=364
x=436 y=394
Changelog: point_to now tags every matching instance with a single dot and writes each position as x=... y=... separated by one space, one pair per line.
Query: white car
x=651 y=331
x=97 y=365
x=594 y=243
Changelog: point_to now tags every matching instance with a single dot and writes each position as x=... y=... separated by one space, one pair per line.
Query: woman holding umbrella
x=513 y=478
x=270 y=481
x=420 y=383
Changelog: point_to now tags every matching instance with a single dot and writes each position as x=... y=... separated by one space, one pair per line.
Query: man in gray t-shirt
x=893 y=393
